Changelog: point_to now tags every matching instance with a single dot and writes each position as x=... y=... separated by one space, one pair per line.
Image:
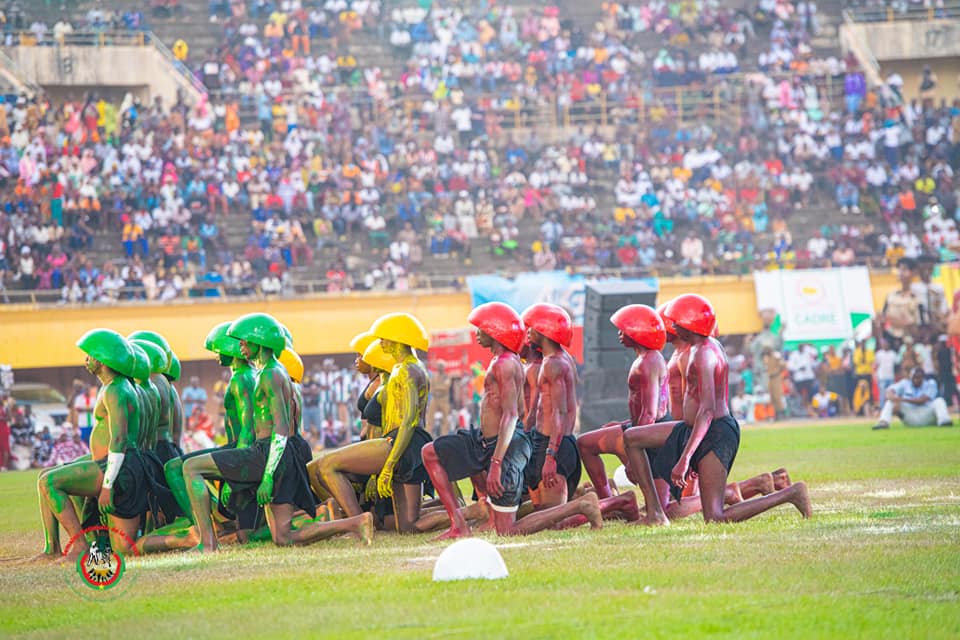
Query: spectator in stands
x=917 y=401
x=193 y=396
x=68 y=447
x=42 y=448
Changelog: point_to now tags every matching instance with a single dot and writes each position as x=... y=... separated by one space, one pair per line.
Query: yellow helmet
x=293 y=364
x=361 y=341
x=377 y=358
x=402 y=328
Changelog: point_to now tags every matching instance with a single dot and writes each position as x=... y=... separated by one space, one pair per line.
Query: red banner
x=458 y=350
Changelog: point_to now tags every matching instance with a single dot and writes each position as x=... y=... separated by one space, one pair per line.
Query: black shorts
x=160 y=497
x=466 y=453
x=302 y=448
x=130 y=486
x=722 y=439
x=409 y=468
x=243 y=469
x=653 y=452
x=568 y=461
x=249 y=515
x=167 y=451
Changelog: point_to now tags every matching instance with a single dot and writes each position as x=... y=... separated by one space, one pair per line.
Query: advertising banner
x=821 y=306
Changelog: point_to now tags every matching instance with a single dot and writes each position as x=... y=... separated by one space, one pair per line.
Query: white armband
x=114 y=462
x=277 y=445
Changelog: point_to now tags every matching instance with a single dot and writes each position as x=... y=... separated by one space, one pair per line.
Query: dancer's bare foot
x=366 y=528
x=590 y=507
x=800 y=498
x=653 y=520
x=731 y=494
x=453 y=533
x=630 y=508
x=767 y=484
x=781 y=479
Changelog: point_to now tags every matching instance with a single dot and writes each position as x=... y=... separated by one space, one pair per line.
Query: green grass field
x=879 y=559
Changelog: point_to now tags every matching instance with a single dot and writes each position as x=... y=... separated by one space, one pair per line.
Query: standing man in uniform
x=707 y=439
x=901 y=310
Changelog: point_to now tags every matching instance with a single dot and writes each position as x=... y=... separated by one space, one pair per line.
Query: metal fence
x=889 y=11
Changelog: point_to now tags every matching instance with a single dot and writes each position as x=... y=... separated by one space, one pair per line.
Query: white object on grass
x=469 y=559
x=620 y=478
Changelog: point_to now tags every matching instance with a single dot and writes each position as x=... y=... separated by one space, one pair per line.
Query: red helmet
x=641 y=324
x=500 y=322
x=551 y=321
x=667 y=325
x=692 y=312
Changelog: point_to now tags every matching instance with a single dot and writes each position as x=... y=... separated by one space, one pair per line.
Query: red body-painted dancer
x=706 y=441
x=499 y=447
x=554 y=470
x=641 y=329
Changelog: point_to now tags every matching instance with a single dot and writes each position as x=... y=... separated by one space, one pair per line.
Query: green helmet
x=287 y=337
x=160 y=341
x=141 y=369
x=219 y=342
x=259 y=328
x=158 y=359
x=110 y=348
x=173 y=369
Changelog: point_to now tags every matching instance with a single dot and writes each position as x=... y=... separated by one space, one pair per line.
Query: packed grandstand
x=365 y=145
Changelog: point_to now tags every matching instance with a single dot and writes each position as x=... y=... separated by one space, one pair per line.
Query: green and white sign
x=820 y=306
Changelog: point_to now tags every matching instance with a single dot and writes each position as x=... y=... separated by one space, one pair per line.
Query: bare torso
x=504 y=381
x=644 y=382
x=676 y=371
x=395 y=409
x=273 y=402
x=106 y=429
x=556 y=384
x=238 y=406
x=531 y=393
x=706 y=382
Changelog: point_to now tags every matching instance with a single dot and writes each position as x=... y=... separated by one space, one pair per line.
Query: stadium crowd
x=320 y=161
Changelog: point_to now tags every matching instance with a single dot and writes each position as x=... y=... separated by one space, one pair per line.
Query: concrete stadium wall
x=46 y=337
x=141 y=70
x=909 y=39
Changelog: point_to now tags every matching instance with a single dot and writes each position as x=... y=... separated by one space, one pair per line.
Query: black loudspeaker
x=605 y=361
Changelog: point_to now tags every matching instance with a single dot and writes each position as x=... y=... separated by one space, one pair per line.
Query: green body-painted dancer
x=271 y=467
x=238 y=426
x=170 y=424
x=113 y=482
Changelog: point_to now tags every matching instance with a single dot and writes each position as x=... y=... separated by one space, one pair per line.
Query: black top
x=372 y=412
x=362 y=400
